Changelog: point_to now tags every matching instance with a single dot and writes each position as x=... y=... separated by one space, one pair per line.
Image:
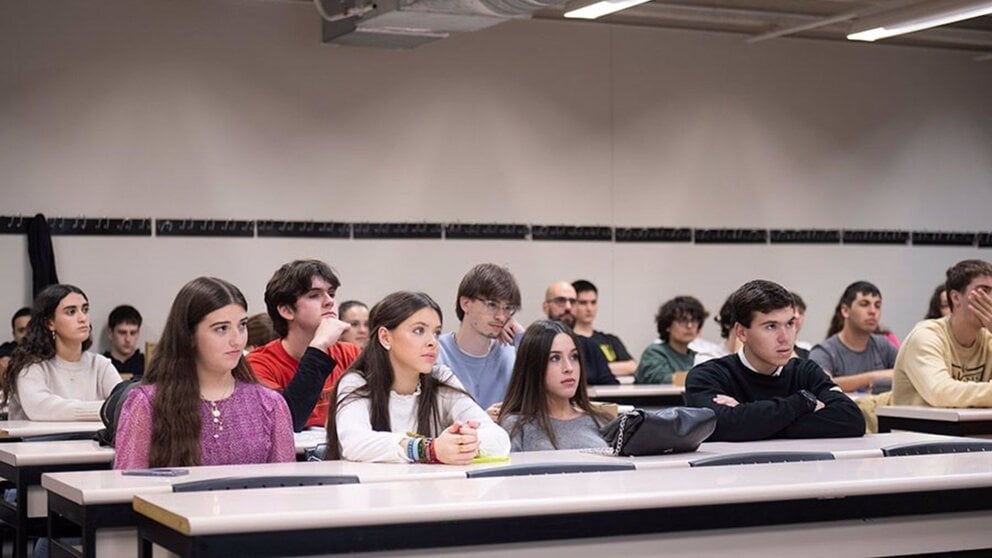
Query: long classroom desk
x=100 y=501
x=639 y=395
x=935 y=420
x=558 y=508
x=24 y=463
x=15 y=430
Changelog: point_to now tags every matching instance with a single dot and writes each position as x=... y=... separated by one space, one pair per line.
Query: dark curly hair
x=38 y=344
x=678 y=308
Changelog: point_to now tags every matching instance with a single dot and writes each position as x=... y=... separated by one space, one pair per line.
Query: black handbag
x=671 y=430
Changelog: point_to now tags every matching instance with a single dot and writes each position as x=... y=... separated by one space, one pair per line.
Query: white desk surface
x=934 y=413
x=21 y=428
x=635 y=390
x=111 y=487
x=23 y=454
x=440 y=500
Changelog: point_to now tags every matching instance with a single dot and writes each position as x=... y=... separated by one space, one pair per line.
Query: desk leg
x=89 y=542
x=21 y=538
x=144 y=547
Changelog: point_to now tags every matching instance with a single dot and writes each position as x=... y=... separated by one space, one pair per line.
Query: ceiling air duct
x=411 y=23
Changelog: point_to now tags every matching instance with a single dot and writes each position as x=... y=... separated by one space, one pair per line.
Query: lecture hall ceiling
x=758 y=17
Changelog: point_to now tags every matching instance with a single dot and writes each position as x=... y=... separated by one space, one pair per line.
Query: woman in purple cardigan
x=199 y=402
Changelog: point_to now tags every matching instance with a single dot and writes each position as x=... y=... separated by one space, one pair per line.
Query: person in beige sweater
x=947 y=362
x=52 y=377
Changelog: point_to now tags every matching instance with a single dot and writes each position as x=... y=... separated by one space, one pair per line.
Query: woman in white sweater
x=51 y=374
x=396 y=405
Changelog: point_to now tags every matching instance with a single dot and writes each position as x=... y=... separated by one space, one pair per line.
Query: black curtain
x=41 y=254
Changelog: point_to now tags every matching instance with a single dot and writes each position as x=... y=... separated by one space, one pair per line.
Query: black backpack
x=110 y=412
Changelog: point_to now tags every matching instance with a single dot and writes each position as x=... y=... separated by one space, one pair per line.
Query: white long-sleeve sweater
x=360 y=443
x=59 y=390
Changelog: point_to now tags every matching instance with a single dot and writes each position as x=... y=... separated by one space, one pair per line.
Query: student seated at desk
x=854 y=355
x=938 y=307
x=123 y=330
x=546 y=405
x=51 y=375
x=678 y=321
x=309 y=356
x=396 y=405
x=356 y=313
x=199 y=403
x=947 y=362
x=762 y=392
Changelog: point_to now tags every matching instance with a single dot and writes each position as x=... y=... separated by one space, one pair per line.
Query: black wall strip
x=304 y=229
x=653 y=235
x=943 y=239
x=99 y=227
x=204 y=227
x=17 y=224
x=14 y=224
x=875 y=237
x=731 y=236
x=811 y=236
x=563 y=232
x=486 y=231
x=397 y=230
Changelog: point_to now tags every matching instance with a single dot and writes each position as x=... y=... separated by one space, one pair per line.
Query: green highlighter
x=490 y=459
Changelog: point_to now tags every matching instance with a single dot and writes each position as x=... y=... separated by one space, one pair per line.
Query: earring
x=385 y=347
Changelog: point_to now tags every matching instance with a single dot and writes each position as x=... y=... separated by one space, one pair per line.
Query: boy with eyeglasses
x=678 y=321
x=559 y=304
x=487 y=300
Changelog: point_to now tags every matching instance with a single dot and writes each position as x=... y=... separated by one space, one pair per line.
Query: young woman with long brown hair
x=546 y=405
x=395 y=404
x=51 y=375
x=199 y=402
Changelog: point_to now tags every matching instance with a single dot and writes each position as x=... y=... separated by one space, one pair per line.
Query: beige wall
x=234 y=110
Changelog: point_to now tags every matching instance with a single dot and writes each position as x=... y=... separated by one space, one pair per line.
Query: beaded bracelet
x=424 y=455
x=431 y=450
x=410 y=454
x=420 y=449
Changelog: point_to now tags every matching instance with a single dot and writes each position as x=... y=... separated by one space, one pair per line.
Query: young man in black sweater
x=761 y=391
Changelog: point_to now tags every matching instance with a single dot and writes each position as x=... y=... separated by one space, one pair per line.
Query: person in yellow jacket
x=947 y=362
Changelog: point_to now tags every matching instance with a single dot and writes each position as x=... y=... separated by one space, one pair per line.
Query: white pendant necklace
x=215 y=413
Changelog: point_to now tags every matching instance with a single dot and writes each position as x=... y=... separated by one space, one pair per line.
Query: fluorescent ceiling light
x=599 y=9
x=916 y=17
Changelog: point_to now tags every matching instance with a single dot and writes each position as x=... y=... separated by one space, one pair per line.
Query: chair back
x=60 y=437
x=242 y=483
x=547 y=469
x=756 y=458
x=932 y=448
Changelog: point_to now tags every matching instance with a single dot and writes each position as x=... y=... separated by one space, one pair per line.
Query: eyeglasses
x=562 y=301
x=687 y=322
x=495 y=308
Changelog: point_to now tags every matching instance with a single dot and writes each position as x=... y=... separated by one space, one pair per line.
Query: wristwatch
x=809 y=398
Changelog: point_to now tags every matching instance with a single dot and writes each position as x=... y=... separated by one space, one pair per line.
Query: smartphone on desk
x=162 y=472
